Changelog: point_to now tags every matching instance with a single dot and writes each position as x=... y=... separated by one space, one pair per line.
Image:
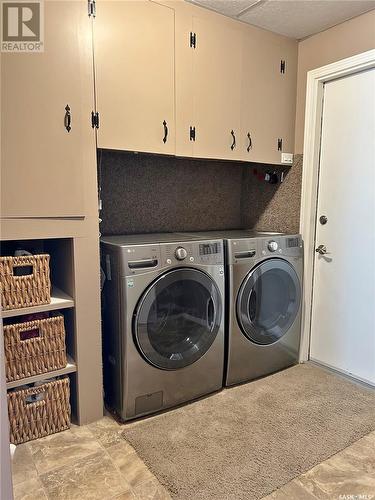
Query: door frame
x=310 y=175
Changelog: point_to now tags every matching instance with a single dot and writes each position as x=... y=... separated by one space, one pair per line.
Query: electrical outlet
x=287 y=158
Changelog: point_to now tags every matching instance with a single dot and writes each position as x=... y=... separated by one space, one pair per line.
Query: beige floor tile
x=93 y=477
x=23 y=467
x=326 y=481
x=128 y=495
x=62 y=448
x=107 y=431
x=29 y=490
x=151 y=490
x=119 y=451
x=360 y=457
x=275 y=495
x=291 y=491
x=130 y=465
x=371 y=436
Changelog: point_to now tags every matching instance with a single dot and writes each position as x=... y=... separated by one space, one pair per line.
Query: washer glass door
x=178 y=318
x=268 y=301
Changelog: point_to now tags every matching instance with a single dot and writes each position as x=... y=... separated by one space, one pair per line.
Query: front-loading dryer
x=163 y=321
x=264 y=305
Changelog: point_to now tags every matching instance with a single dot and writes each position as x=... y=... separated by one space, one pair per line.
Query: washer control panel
x=133 y=258
x=192 y=252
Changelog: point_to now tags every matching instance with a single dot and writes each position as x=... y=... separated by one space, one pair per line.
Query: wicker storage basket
x=34 y=347
x=30 y=418
x=25 y=290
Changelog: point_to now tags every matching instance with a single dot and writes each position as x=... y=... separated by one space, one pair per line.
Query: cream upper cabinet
x=174 y=78
x=135 y=88
x=267 y=96
x=43 y=164
x=288 y=53
x=216 y=74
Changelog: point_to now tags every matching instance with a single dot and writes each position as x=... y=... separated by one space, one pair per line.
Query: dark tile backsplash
x=265 y=207
x=151 y=193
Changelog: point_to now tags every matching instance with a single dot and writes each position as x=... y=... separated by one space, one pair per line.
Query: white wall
x=344 y=40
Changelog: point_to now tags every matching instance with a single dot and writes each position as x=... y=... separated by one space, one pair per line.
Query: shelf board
x=71 y=367
x=59 y=300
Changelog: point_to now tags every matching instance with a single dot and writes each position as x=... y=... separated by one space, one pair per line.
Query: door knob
x=323 y=219
x=321 y=249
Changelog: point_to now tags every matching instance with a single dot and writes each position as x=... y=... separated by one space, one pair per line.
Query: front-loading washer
x=163 y=321
x=264 y=297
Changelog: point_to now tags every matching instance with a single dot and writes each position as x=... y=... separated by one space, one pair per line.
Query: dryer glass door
x=178 y=318
x=268 y=301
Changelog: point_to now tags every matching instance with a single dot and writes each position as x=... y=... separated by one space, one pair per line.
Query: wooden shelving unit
x=69 y=368
x=62 y=301
x=59 y=300
x=74 y=265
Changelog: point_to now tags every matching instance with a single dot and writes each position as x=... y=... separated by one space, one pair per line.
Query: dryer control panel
x=290 y=246
x=257 y=248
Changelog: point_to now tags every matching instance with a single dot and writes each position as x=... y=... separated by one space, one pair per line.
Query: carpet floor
x=245 y=442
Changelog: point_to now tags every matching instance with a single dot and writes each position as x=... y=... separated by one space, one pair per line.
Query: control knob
x=272 y=246
x=180 y=253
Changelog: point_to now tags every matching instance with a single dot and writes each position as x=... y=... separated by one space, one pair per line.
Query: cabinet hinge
x=91 y=8
x=279 y=144
x=282 y=66
x=192 y=133
x=193 y=40
x=94 y=119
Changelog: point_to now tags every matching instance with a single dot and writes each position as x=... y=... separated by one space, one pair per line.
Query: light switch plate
x=287 y=158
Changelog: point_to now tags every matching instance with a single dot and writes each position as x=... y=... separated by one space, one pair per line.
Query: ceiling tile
x=293 y=18
x=227 y=7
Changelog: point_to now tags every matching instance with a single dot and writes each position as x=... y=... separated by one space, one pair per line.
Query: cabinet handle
x=67 y=118
x=165 y=132
x=250 y=146
x=234 y=140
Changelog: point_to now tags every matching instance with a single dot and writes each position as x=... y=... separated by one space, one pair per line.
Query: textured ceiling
x=293 y=18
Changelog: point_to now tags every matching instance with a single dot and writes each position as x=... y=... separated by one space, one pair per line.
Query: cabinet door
x=288 y=90
x=42 y=164
x=216 y=87
x=134 y=56
x=184 y=78
x=267 y=97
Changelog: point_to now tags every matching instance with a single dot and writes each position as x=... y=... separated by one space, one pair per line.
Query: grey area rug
x=245 y=442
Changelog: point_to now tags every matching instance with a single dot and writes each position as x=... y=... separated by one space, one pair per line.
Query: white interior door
x=343 y=312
